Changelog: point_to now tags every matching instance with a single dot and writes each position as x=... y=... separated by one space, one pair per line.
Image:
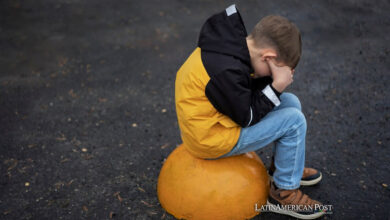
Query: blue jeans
x=285 y=125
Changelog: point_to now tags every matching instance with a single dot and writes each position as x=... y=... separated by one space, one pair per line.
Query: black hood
x=225 y=33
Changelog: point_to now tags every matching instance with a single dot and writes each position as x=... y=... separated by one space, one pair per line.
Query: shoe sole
x=305 y=182
x=311 y=182
x=294 y=214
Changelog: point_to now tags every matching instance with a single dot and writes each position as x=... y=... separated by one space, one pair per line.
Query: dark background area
x=87 y=111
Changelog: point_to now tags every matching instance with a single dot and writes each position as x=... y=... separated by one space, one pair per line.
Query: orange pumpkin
x=229 y=188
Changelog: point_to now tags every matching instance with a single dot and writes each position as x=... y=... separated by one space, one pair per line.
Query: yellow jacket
x=206 y=132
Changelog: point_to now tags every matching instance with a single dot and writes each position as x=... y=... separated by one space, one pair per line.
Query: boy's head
x=277 y=39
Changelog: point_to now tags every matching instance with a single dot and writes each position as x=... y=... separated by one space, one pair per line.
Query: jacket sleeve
x=261 y=83
x=232 y=94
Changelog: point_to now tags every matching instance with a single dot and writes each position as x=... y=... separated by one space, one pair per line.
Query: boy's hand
x=282 y=76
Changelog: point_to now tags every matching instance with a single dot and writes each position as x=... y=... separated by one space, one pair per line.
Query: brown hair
x=280 y=34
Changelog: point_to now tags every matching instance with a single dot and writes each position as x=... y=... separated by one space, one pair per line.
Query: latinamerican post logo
x=327 y=209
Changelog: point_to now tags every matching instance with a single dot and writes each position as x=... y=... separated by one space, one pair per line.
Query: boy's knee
x=291 y=99
x=297 y=116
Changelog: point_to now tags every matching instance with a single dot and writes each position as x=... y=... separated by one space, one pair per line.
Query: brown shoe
x=310 y=176
x=293 y=203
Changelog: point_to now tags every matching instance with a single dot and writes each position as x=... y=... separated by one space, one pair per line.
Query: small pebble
x=84 y=149
x=27 y=184
x=163 y=110
x=134 y=125
x=384 y=185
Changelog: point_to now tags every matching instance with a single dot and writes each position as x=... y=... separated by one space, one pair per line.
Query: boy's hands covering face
x=282 y=75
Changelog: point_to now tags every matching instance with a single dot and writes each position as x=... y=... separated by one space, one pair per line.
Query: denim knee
x=297 y=116
x=291 y=100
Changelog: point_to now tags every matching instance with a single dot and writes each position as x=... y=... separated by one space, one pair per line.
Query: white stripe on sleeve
x=271 y=95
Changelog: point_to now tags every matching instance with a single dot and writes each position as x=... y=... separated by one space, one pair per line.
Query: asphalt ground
x=87 y=112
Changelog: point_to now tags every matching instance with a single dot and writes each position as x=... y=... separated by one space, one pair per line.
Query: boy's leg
x=310 y=176
x=286 y=126
x=287 y=100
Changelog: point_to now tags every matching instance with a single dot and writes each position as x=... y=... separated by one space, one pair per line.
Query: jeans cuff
x=287 y=187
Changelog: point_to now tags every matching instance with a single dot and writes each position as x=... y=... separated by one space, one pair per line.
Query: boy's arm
x=261 y=83
x=230 y=93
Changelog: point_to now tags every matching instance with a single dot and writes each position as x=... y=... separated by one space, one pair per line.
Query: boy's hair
x=280 y=34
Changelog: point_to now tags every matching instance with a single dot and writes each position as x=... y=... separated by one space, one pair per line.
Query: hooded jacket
x=215 y=95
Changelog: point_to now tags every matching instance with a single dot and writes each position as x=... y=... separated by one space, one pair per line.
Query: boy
x=229 y=100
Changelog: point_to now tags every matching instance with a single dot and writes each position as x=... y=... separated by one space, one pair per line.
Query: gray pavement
x=87 y=102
